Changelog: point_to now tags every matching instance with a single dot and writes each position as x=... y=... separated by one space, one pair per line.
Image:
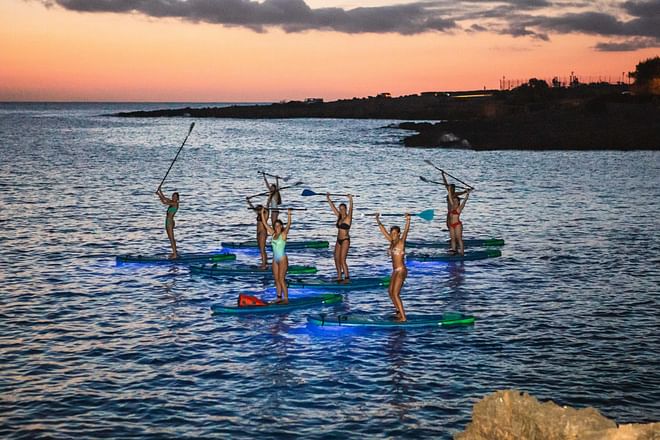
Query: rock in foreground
x=512 y=415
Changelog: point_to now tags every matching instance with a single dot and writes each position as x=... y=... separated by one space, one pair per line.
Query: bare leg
x=337 y=254
x=282 y=269
x=278 y=288
x=396 y=284
x=343 y=254
x=459 y=239
x=170 y=235
x=261 y=242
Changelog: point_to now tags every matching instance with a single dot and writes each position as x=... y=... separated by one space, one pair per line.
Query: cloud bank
x=628 y=25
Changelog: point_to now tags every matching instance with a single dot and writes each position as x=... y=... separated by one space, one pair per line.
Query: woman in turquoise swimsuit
x=397 y=252
x=344 y=220
x=173 y=207
x=280 y=260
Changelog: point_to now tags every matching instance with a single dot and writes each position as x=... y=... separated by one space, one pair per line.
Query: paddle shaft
x=273 y=175
x=309 y=192
x=177 y=155
x=453 y=177
x=283 y=209
x=268 y=192
x=424 y=179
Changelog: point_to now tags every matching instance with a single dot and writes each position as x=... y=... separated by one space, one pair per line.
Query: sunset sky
x=241 y=50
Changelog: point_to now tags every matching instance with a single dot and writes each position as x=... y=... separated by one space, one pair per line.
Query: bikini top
x=397 y=251
x=345 y=226
x=454 y=212
x=172 y=210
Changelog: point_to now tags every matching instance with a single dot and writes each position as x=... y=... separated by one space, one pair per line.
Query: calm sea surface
x=94 y=350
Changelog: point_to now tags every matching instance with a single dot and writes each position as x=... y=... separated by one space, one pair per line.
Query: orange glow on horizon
x=57 y=55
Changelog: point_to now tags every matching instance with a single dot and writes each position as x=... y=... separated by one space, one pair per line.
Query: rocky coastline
x=588 y=117
x=512 y=415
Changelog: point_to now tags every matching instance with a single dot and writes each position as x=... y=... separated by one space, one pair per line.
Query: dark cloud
x=627 y=45
x=637 y=22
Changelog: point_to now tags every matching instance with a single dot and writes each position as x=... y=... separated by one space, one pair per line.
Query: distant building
x=313 y=100
x=384 y=95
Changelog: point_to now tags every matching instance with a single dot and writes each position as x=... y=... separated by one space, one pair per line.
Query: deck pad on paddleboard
x=469 y=256
x=332 y=284
x=446 y=244
x=294 y=303
x=182 y=258
x=310 y=244
x=246 y=269
x=448 y=319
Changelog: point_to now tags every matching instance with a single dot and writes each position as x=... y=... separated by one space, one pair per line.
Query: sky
x=272 y=50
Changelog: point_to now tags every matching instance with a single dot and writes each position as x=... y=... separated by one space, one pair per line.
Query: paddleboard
x=331 y=284
x=294 y=303
x=182 y=258
x=466 y=242
x=469 y=256
x=312 y=244
x=373 y=321
x=245 y=269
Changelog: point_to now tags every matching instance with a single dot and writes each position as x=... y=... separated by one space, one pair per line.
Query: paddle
x=309 y=192
x=453 y=177
x=425 y=215
x=268 y=192
x=177 y=155
x=286 y=179
x=284 y=209
x=424 y=179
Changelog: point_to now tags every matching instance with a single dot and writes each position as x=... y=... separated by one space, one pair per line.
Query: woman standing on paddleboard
x=453 y=221
x=280 y=260
x=397 y=252
x=344 y=220
x=274 y=199
x=262 y=234
x=173 y=207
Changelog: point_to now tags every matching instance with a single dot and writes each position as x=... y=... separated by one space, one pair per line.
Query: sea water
x=90 y=349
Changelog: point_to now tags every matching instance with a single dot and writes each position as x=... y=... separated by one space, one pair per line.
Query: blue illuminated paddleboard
x=448 y=319
x=246 y=269
x=210 y=257
x=294 y=303
x=469 y=256
x=310 y=244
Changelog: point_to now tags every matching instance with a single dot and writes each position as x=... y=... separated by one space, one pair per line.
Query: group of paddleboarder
x=344 y=213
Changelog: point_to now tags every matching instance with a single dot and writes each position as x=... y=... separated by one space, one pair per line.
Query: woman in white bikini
x=397 y=252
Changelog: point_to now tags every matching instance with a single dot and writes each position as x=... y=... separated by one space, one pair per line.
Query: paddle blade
x=426 y=215
x=308 y=192
x=191 y=127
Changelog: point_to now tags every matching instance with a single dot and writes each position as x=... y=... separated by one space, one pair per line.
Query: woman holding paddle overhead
x=344 y=220
x=173 y=207
x=397 y=252
x=454 y=208
x=262 y=233
x=280 y=260
x=274 y=198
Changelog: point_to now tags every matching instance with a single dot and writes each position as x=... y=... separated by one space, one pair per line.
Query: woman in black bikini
x=262 y=234
x=344 y=220
x=397 y=251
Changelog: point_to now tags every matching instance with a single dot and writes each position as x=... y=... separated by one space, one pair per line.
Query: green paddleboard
x=182 y=258
x=449 y=319
x=331 y=284
x=245 y=269
x=469 y=256
x=294 y=303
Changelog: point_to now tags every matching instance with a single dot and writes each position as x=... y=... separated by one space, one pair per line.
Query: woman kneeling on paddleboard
x=173 y=207
x=397 y=251
x=262 y=234
x=280 y=260
x=344 y=220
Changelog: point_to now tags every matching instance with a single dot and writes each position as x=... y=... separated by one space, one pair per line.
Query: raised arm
x=444 y=179
x=332 y=205
x=465 y=199
x=382 y=228
x=164 y=200
x=266 y=181
x=350 y=208
x=264 y=221
x=249 y=202
x=407 y=228
x=288 y=223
